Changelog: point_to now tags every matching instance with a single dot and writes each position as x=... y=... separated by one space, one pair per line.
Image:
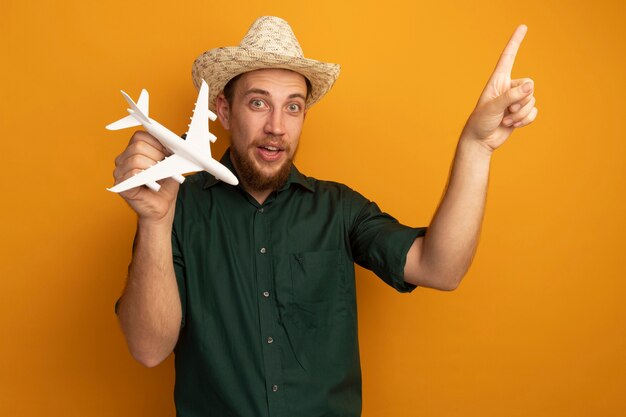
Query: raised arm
x=149 y=310
x=442 y=257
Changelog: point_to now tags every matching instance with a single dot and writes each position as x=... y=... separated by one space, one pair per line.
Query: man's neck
x=259 y=196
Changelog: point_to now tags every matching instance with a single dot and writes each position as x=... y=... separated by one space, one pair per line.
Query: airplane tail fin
x=138 y=113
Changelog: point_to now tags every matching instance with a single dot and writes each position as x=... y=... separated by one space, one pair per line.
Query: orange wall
x=537 y=328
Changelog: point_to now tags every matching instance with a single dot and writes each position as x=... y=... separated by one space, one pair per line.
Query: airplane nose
x=231 y=179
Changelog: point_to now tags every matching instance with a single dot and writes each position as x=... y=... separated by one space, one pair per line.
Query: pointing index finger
x=505 y=63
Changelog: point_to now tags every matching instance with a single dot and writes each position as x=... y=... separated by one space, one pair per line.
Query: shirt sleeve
x=379 y=243
x=179 y=264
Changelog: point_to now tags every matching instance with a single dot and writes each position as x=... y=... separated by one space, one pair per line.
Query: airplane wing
x=198 y=132
x=170 y=166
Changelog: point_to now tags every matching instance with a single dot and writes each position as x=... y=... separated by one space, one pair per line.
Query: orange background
x=537 y=327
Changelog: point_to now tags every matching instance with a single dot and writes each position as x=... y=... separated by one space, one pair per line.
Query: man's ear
x=223 y=110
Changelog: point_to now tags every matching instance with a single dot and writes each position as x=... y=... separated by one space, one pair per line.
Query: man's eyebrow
x=297 y=95
x=257 y=91
x=267 y=93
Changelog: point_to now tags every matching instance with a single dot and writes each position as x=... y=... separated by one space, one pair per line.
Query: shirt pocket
x=318 y=286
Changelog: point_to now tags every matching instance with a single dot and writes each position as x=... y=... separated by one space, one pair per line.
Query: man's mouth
x=270 y=153
x=271 y=148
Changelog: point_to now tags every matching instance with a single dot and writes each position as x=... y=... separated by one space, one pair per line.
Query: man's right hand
x=149 y=309
x=143 y=151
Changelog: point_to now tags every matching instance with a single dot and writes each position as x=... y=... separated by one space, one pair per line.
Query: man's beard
x=255 y=179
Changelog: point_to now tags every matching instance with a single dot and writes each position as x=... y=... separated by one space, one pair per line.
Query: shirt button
x=261 y=210
x=270 y=340
x=263 y=250
x=274 y=388
x=266 y=294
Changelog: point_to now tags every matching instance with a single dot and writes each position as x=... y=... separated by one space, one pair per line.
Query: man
x=253 y=286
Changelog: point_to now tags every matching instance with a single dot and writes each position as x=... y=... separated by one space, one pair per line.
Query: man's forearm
x=446 y=252
x=150 y=308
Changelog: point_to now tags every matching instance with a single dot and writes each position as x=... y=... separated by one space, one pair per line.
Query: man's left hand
x=504 y=104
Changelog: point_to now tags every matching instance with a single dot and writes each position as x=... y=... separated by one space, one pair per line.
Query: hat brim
x=220 y=65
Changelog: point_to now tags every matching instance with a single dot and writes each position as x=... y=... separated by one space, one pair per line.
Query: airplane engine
x=178 y=178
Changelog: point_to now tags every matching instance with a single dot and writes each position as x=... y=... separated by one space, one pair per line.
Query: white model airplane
x=188 y=155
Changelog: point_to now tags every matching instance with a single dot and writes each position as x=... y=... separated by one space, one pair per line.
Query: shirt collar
x=295 y=176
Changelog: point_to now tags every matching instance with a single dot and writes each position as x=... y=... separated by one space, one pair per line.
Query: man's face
x=265 y=121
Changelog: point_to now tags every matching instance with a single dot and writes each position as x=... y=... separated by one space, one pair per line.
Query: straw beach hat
x=269 y=43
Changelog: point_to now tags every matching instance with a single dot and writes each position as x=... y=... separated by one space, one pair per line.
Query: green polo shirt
x=268 y=295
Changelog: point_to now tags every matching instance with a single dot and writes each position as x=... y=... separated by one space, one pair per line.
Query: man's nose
x=275 y=123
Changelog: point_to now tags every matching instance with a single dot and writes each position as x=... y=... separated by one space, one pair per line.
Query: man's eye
x=257 y=103
x=294 y=107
